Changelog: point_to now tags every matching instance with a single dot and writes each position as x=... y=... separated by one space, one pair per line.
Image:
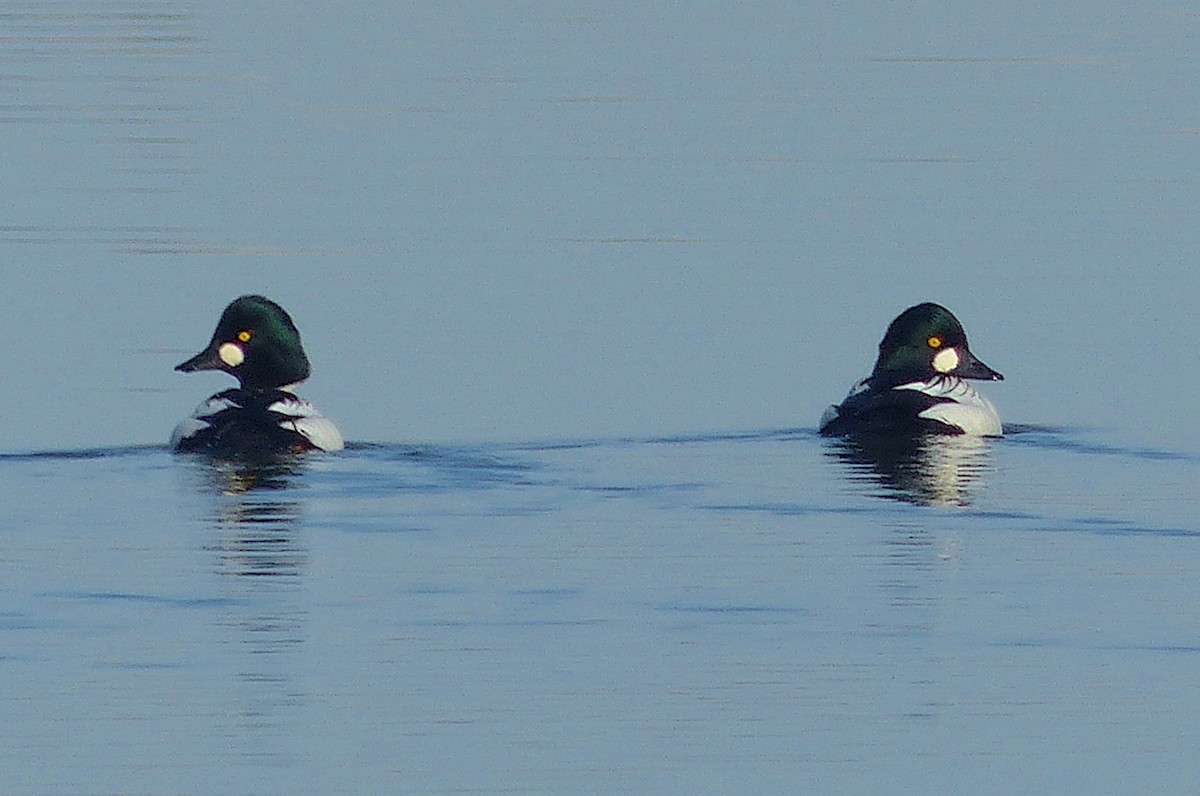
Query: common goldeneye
x=918 y=384
x=257 y=343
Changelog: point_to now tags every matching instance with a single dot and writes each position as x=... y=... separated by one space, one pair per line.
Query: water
x=745 y=612
x=512 y=222
x=544 y=257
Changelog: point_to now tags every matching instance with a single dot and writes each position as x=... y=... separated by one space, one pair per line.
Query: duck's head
x=924 y=342
x=257 y=343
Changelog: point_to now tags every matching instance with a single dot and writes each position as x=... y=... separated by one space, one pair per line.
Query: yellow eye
x=934 y=342
x=245 y=335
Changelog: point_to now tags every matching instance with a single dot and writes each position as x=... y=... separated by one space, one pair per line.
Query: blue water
x=523 y=221
x=754 y=612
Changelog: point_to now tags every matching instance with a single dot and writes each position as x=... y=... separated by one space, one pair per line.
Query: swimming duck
x=257 y=343
x=919 y=383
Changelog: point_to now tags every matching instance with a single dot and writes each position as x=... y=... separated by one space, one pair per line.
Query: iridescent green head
x=257 y=343
x=924 y=342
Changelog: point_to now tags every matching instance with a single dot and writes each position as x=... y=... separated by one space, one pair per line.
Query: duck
x=919 y=383
x=258 y=344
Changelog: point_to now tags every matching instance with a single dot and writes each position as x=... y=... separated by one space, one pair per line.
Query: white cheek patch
x=945 y=361
x=231 y=355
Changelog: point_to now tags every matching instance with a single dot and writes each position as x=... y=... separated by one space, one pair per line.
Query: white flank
x=945 y=360
x=301 y=417
x=294 y=407
x=214 y=405
x=231 y=355
x=963 y=406
x=190 y=426
x=304 y=419
x=831 y=414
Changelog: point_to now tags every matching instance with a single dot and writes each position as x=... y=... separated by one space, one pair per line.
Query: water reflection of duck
x=918 y=384
x=240 y=476
x=260 y=539
x=255 y=513
x=257 y=343
x=929 y=469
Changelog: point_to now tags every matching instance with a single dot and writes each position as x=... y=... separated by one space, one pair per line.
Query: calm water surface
x=517 y=221
x=765 y=611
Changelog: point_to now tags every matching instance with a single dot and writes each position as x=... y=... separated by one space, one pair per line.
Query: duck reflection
x=259 y=561
x=929 y=470
x=242 y=476
x=255 y=515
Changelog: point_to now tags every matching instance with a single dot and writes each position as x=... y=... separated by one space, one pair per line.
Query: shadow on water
x=127 y=452
x=926 y=471
x=1072 y=440
x=367 y=470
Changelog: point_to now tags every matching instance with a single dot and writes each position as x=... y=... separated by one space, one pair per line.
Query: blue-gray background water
x=577 y=281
